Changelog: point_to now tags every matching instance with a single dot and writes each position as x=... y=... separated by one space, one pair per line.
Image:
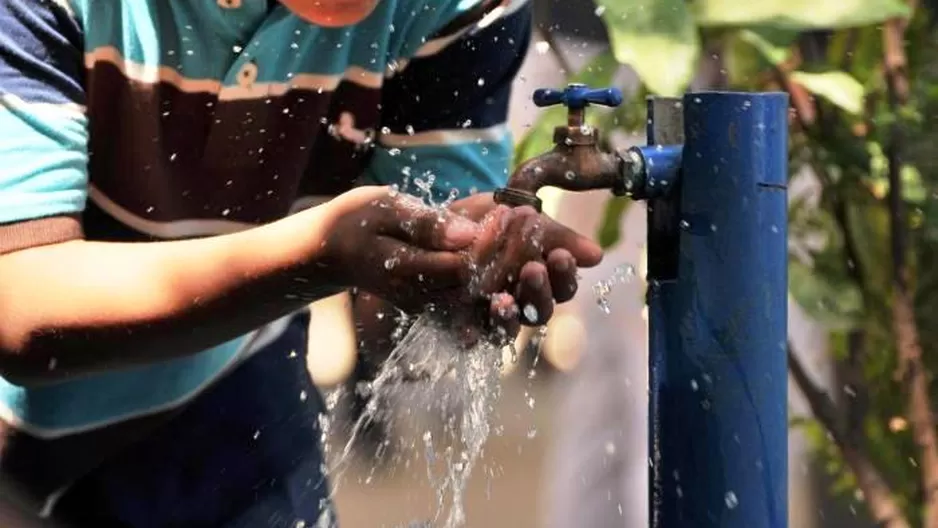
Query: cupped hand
x=392 y=245
x=526 y=261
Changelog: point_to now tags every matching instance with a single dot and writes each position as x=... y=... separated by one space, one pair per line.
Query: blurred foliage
x=829 y=56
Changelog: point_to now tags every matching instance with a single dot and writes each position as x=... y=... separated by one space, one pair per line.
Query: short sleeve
x=43 y=124
x=444 y=111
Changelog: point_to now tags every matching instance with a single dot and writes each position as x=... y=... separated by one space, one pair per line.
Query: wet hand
x=392 y=245
x=526 y=260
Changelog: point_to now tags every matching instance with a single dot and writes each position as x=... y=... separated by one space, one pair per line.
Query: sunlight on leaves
x=839 y=88
x=796 y=14
x=658 y=38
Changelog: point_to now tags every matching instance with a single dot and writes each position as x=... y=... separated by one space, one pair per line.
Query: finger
x=562 y=270
x=404 y=272
x=557 y=236
x=534 y=294
x=491 y=240
x=410 y=220
x=475 y=207
x=500 y=253
x=503 y=315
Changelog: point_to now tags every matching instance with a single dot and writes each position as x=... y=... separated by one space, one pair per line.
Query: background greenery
x=863 y=122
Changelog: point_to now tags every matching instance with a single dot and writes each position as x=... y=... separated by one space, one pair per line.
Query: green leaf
x=540 y=137
x=751 y=52
x=609 y=232
x=798 y=422
x=774 y=44
x=913 y=185
x=834 y=303
x=657 y=38
x=796 y=15
x=838 y=87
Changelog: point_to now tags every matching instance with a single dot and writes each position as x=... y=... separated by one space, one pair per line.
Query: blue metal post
x=718 y=329
x=665 y=127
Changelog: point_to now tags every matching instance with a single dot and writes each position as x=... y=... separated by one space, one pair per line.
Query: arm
x=459 y=124
x=83 y=305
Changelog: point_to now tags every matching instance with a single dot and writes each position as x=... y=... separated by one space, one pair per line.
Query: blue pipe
x=661 y=167
x=718 y=329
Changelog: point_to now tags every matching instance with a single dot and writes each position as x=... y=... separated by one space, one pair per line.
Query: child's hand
x=394 y=246
x=528 y=261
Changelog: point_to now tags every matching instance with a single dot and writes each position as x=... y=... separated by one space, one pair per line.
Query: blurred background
x=568 y=447
x=578 y=456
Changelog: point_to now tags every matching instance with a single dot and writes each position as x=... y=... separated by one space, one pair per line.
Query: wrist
x=293 y=248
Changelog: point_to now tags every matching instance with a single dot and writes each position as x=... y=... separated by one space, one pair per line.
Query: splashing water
x=623 y=274
x=433 y=353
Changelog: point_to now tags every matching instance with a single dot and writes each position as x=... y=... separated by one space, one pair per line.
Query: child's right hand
x=392 y=245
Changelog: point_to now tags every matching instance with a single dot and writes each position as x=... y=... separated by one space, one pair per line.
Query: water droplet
x=610 y=448
x=532 y=433
x=569 y=175
x=410 y=130
x=599 y=10
x=226 y=212
x=172 y=157
x=481 y=81
x=542 y=47
x=394 y=152
x=693 y=385
x=731 y=500
x=303 y=395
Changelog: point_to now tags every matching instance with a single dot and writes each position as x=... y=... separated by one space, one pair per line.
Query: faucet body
x=577 y=163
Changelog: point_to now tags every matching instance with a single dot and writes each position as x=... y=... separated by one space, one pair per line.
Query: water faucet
x=576 y=163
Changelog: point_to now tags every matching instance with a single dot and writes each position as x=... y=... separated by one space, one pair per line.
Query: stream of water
x=468 y=378
x=462 y=383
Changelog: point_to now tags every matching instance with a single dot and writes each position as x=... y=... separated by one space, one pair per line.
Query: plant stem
x=912 y=371
x=879 y=497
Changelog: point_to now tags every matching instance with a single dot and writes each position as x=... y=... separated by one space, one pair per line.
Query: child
x=179 y=182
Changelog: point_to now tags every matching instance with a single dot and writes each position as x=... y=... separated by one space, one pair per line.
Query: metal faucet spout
x=575 y=169
x=576 y=163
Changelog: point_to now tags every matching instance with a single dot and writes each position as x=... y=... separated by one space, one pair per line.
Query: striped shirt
x=142 y=120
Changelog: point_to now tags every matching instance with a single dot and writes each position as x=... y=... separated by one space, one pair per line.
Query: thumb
x=430 y=228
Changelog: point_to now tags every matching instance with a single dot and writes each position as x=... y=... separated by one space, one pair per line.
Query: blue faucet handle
x=577 y=96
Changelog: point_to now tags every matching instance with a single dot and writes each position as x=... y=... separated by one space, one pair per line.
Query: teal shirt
x=144 y=120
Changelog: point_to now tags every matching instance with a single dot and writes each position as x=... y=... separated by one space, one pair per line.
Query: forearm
x=86 y=306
